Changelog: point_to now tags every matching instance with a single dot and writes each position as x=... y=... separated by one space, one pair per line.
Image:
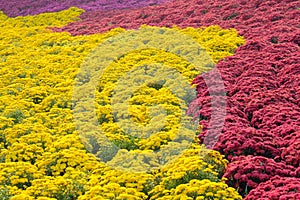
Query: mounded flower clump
x=277 y=188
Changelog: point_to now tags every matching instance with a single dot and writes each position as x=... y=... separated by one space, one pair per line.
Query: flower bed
x=260 y=79
x=261 y=130
x=42 y=155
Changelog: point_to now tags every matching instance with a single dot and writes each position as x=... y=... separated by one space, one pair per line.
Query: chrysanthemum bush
x=42 y=155
x=201 y=189
x=182 y=178
x=247 y=172
x=277 y=188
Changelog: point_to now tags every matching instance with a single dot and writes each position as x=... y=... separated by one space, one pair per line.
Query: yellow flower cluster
x=201 y=190
x=41 y=154
x=218 y=42
x=194 y=163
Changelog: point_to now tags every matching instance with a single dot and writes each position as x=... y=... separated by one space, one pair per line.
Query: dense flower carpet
x=245 y=147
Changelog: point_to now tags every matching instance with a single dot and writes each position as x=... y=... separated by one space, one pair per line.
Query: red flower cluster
x=291 y=151
x=263 y=93
x=262 y=129
x=247 y=172
x=277 y=188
